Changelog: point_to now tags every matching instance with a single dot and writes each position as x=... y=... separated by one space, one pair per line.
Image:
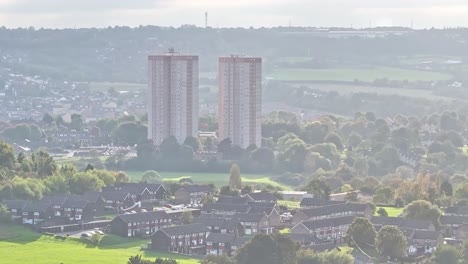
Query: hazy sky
x=233 y=13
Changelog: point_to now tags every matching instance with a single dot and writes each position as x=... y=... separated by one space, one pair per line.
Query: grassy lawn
x=104 y=86
x=392 y=211
x=27 y=246
x=218 y=179
x=285 y=231
x=350 y=74
x=290 y=204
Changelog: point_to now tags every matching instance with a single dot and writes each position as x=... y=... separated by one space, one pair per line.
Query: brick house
x=117 y=201
x=333 y=228
x=139 y=224
x=34 y=213
x=77 y=209
x=184 y=239
x=423 y=242
x=220 y=225
x=225 y=209
x=274 y=217
x=220 y=244
x=192 y=194
x=254 y=223
x=140 y=191
x=15 y=207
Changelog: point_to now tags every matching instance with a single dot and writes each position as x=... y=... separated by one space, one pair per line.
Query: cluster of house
x=66 y=209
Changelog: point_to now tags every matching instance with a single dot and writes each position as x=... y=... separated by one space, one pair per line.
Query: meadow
x=218 y=179
x=20 y=245
x=367 y=74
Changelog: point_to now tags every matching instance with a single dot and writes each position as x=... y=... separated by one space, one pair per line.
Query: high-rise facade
x=240 y=100
x=173 y=97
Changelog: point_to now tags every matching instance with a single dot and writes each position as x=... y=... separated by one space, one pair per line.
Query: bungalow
x=333 y=211
x=192 y=194
x=185 y=239
x=334 y=228
x=318 y=202
x=263 y=197
x=254 y=223
x=139 y=224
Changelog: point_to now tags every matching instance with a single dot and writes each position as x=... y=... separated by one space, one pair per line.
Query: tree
x=85 y=182
x=57 y=184
x=121 y=177
x=446 y=188
x=382 y=212
x=23 y=189
x=361 y=232
x=336 y=257
x=383 y=195
x=268 y=249
x=334 y=138
x=391 y=242
x=105 y=176
x=235 y=180
x=170 y=148
x=7 y=155
x=5 y=216
x=225 y=147
x=77 y=122
x=130 y=133
x=193 y=142
x=139 y=260
x=319 y=189
x=264 y=157
x=151 y=176
x=186 y=217
x=446 y=254
x=462 y=191
x=423 y=210
x=227 y=191
x=47 y=118
x=44 y=164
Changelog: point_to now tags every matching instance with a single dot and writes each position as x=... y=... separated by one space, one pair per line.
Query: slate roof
x=459 y=210
x=318 y=202
x=426 y=235
x=248 y=217
x=453 y=220
x=36 y=206
x=387 y=221
x=58 y=199
x=114 y=195
x=14 y=204
x=184 y=229
x=334 y=209
x=333 y=222
x=262 y=196
x=144 y=216
x=221 y=238
x=197 y=188
x=223 y=199
x=92 y=197
x=239 y=208
x=258 y=209
x=416 y=224
x=210 y=221
x=304 y=238
x=134 y=188
x=240 y=241
x=75 y=203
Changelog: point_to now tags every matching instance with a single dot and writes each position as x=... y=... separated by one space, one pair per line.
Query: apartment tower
x=240 y=100
x=173 y=97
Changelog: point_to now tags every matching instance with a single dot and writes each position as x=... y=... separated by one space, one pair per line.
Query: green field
x=218 y=179
x=290 y=204
x=392 y=211
x=24 y=246
x=104 y=86
x=350 y=74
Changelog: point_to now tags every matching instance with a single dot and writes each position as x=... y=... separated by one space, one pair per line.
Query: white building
x=173 y=97
x=240 y=100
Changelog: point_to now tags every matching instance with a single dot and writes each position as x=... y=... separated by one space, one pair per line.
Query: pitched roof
x=210 y=221
x=304 y=238
x=416 y=224
x=426 y=235
x=184 y=229
x=453 y=220
x=36 y=206
x=318 y=202
x=145 y=216
x=133 y=187
x=14 y=204
x=323 y=246
x=221 y=238
x=387 y=221
x=248 y=217
x=239 y=208
x=259 y=209
x=333 y=209
x=223 y=199
x=92 y=197
x=55 y=199
x=262 y=196
x=333 y=222
x=75 y=203
x=197 y=188
x=114 y=195
x=457 y=210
